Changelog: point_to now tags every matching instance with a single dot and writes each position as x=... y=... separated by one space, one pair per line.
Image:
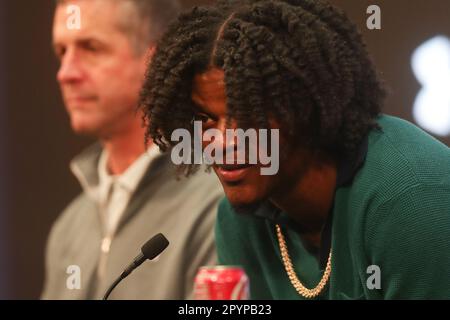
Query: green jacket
x=390 y=221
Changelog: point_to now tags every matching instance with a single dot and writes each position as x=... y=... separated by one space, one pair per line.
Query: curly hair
x=300 y=61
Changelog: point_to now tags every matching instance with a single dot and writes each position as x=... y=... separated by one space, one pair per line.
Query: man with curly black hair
x=360 y=205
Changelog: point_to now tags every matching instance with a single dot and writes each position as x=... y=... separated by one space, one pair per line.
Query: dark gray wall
x=405 y=25
x=4 y=235
x=40 y=143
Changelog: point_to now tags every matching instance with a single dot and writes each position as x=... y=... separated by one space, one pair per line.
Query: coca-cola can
x=221 y=283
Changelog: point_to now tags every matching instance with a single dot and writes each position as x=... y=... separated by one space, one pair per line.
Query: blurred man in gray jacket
x=130 y=190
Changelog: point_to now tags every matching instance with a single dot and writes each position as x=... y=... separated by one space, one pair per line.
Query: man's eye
x=201 y=117
x=90 y=47
x=206 y=120
x=59 y=52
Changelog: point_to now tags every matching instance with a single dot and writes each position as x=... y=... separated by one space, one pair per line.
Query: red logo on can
x=221 y=283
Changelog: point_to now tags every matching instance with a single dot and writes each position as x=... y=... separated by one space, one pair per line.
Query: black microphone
x=150 y=250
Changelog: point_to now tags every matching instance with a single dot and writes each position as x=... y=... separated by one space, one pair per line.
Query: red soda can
x=221 y=283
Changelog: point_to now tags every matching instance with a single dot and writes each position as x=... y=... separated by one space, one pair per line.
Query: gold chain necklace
x=301 y=289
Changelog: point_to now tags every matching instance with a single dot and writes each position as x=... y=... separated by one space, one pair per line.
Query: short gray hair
x=147 y=20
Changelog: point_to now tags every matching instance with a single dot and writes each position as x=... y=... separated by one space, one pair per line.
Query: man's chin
x=84 y=132
x=84 y=129
x=243 y=199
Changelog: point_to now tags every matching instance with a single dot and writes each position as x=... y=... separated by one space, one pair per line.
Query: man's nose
x=70 y=69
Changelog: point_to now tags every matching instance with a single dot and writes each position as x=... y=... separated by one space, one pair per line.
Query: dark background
x=36 y=143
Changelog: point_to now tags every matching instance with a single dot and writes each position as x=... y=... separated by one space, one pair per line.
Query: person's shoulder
x=405 y=177
x=202 y=184
x=206 y=180
x=418 y=207
x=194 y=199
x=203 y=189
x=408 y=237
x=405 y=184
x=409 y=138
x=400 y=156
x=403 y=143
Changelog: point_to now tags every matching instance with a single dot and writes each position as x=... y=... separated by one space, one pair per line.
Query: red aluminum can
x=221 y=283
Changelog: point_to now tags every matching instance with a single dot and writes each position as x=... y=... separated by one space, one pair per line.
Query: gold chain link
x=301 y=289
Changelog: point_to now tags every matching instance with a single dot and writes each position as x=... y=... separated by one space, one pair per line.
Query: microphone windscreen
x=153 y=247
